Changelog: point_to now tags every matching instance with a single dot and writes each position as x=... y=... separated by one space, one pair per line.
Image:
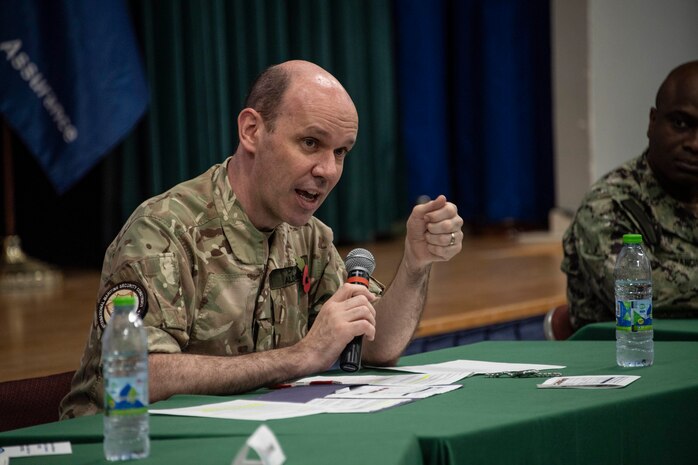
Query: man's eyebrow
x=690 y=116
x=322 y=132
x=317 y=130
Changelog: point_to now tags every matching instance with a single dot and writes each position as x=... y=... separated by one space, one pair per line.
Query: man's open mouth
x=309 y=196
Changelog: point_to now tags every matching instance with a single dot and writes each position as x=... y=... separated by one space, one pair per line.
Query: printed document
x=475 y=366
x=391 y=392
x=243 y=410
x=589 y=382
x=421 y=379
x=355 y=405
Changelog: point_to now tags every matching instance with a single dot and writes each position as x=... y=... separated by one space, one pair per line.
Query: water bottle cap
x=632 y=238
x=124 y=301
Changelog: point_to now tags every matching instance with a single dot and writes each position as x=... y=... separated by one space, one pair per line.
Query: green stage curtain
x=201 y=56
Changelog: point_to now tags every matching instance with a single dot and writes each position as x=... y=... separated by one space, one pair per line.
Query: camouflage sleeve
x=149 y=254
x=145 y=256
x=591 y=245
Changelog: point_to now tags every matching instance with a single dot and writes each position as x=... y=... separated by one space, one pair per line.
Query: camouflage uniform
x=214 y=284
x=593 y=240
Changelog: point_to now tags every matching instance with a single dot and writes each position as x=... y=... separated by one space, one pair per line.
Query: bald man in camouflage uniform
x=239 y=286
x=656 y=195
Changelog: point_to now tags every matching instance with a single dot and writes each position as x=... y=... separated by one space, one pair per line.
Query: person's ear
x=250 y=126
x=653 y=120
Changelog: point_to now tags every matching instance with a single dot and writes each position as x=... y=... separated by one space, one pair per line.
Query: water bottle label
x=634 y=315
x=125 y=396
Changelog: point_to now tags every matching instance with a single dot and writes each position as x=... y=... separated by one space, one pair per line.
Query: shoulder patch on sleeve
x=106 y=303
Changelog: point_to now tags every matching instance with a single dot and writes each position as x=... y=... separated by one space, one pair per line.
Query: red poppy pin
x=305 y=275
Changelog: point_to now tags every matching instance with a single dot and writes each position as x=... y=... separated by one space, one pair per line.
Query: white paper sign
x=32 y=450
x=267 y=447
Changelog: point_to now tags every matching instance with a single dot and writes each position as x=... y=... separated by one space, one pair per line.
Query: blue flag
x=71 y=81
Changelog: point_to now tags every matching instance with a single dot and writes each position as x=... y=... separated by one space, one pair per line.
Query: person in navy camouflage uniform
x=655 y=195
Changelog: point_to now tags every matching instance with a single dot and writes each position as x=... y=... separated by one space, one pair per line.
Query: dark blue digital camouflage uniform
x=593 y=240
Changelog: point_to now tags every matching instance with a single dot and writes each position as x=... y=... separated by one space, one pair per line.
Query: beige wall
x=609 y=57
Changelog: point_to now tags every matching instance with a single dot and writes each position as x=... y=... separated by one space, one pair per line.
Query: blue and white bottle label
x=125 y=396
x=634 y=315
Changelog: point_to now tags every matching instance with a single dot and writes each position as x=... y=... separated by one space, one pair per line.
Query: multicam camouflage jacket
x=630 y=200
x=208 y=282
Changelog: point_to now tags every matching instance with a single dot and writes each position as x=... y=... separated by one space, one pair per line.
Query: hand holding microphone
x=360 y=265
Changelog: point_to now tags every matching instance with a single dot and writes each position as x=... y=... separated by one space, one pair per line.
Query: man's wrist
x=414 y=272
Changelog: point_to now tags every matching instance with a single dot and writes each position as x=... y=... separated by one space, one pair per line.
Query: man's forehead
x=678 y=103
x=679 y=90
x=320 y=89
x=302 y=102
x=316 y=130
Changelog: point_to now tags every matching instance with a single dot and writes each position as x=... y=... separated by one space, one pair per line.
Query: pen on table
x=312 y=383
x=281 y=386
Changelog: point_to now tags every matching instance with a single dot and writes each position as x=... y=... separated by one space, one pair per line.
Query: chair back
x=556 y=324
x=32 y=401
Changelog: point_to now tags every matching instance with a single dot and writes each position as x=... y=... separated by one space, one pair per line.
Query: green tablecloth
x=488 y=421
x=664 y=330
x=307 y=448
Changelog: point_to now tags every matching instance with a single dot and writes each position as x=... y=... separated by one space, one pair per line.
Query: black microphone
x=360 y=264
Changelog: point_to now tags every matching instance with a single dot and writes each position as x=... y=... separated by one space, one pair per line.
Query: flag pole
x=19 y=273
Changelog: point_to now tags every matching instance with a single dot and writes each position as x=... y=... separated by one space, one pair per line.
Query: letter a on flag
x=71 y=81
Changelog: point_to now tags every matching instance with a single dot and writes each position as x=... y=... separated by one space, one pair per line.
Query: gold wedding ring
x=453 y=239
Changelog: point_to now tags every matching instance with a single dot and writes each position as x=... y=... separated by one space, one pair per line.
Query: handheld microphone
x=360 y=264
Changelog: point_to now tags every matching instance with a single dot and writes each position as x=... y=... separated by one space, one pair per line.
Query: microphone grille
x=360 y=259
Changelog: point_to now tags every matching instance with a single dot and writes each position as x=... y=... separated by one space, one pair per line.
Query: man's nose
x=691 y=141
x=326 y=166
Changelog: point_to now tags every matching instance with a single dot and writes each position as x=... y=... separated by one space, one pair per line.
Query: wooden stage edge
x=488 y=316
x=493 y=280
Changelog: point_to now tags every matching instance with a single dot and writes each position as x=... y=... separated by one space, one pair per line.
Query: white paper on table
x=243 y=410
x=589 y=382
x=355 y=405
x=424 y=379
x=419 y=379
x=30 y=450
x=475 y=366
x=391 y=392
x=339 y=379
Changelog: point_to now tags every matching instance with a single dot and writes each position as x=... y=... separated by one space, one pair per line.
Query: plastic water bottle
x=633 y=289
x=125 y=370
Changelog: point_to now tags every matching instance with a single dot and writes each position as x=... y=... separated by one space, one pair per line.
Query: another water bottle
x=633 y=289
x=125 y=370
